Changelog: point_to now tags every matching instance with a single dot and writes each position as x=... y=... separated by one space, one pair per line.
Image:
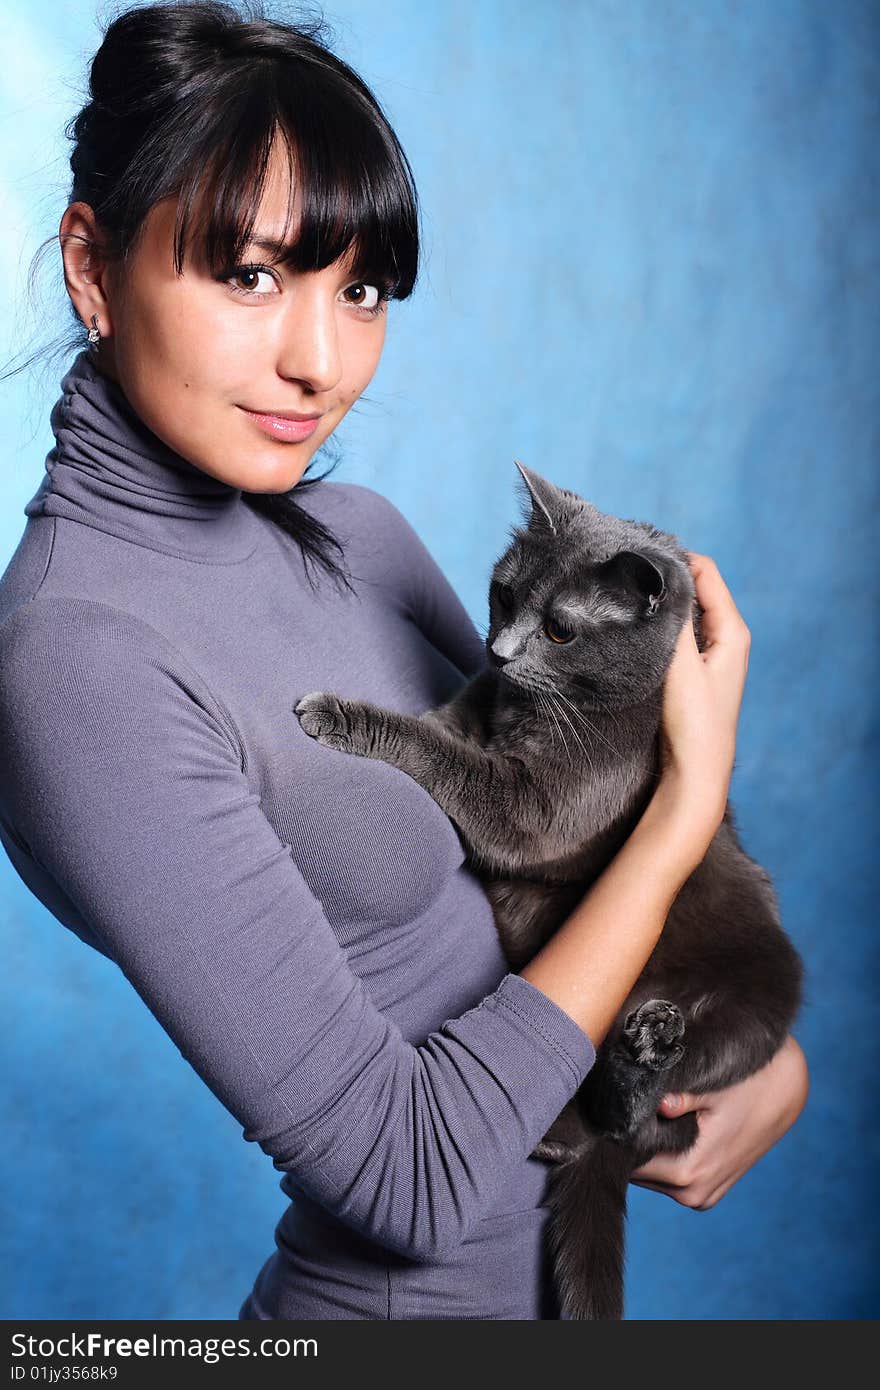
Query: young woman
x=302 y=923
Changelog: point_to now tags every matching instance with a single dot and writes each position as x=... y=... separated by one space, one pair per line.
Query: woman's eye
x=250 y=276
x=556 y=632
x=363 y=296
x=367 y=299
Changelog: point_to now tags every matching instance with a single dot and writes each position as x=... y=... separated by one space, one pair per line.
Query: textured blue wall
x=651 y=274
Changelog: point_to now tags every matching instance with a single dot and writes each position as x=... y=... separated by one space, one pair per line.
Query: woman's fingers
x=721 y=623
x=679 y=1103
x=683 y=686
x=726 y=636
x=702 y=695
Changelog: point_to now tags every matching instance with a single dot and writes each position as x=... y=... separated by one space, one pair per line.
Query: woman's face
x=193 y=354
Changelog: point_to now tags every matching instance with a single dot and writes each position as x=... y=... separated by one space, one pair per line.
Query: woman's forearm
x=590 y=964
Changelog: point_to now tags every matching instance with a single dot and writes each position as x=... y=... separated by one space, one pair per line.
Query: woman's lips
x=279 y=427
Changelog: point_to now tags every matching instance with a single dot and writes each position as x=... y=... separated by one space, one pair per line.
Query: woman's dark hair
x=186 y=99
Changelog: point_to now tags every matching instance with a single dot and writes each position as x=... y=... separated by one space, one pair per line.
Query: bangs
x=355 y=185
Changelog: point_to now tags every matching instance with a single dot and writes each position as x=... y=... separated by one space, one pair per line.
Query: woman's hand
x=736 y=1127
x=701 y=700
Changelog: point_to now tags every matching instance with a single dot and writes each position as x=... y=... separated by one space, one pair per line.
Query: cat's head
x=584 y=603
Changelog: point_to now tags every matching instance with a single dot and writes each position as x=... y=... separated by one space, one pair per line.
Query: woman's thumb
x=677 y=1104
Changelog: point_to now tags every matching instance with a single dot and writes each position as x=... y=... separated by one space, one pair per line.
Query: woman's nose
x=311 y=352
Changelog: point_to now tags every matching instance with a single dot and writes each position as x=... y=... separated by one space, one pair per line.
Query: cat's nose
x=503 y=649
x=495 y=659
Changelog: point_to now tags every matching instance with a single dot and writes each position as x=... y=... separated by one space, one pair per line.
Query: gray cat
x=545 y=761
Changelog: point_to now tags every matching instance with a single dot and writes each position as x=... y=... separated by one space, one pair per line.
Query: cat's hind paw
x=322 y=716
x=652 y=1033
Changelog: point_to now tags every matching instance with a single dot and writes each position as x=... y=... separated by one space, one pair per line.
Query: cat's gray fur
x=545 y=761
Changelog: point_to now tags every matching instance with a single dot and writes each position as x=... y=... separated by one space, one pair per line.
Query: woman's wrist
x=592 y=961
x=686 y=812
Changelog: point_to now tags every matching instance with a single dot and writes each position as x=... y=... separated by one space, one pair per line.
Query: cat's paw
x=322 y=716
x=652 y=1033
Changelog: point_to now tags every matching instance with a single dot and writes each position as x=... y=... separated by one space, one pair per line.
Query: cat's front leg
x=350 y=726
x=469 y=712
x=490 y=797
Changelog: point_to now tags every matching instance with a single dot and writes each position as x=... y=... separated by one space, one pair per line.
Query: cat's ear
x=550 y=504
x=639 y=577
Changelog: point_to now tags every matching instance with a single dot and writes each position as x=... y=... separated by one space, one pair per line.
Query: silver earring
x=94 y=335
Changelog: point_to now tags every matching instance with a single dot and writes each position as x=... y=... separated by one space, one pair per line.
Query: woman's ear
x=84 y=266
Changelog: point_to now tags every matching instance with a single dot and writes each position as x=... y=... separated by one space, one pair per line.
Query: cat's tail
x=587 y=1198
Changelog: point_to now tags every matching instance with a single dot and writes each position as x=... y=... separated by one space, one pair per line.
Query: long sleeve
x=123 y=777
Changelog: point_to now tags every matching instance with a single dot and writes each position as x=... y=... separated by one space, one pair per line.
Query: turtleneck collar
x=109 y=471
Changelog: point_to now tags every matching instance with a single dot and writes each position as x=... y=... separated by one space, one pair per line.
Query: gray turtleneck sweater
x=300 y=921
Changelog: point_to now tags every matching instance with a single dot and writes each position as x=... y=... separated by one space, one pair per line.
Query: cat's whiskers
x=588 y=724
x=607 y=708
x=541 y=706
x=539 y=714
x=552 y=713
x=542 y=694
x=578 y=713
x=552 y=696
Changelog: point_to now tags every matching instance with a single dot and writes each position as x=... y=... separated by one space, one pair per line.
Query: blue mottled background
x=651 y=274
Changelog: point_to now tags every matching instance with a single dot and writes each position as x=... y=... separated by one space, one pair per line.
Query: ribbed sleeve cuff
x=559 y=1031
x=537 y=1055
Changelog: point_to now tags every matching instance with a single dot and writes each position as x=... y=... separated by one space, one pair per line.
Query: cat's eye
x=504 y=595
x=557 y=633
